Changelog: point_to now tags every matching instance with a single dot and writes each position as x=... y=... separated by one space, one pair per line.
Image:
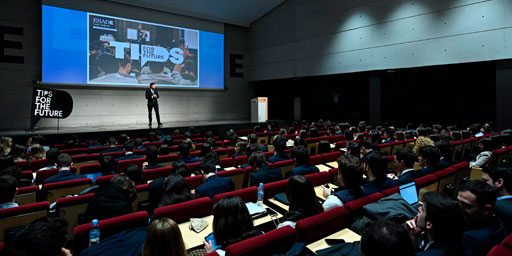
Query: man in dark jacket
x=375 y=168
x=64 y=162
x=152 y=97
x=262 y=172
x=279 y=147
x=301 y=157
x=213 y=184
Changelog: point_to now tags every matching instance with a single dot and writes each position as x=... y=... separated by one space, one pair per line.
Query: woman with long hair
x=176 y=191
x=164 y=239
x=301 y=195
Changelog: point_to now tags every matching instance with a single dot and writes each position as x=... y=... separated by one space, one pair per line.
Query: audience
x=64 y=162
x=176 y=191
x=385 y=238
x=300 y=156
x=353 y=149
x=253 y=140
x=129 y=146
x=213 y=184
x=486 y=146
x=501 y=179
x=240 y=148
x=445 y=151
x=350 y=176
x=262 y=172
x=404 y=163
x=375 y=168
x=279 y=147
x=184 y=149
x=112 y=146
x=181 y=168
x=107 y=165
x=51 y=157
x=152 y=157
x=302 y=199
x=8 y=190
x=164 y=238
x=428 y=157
x=135 y=174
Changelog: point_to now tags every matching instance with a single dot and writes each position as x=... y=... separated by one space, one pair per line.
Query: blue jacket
x=129 y=156
x=111 y=149
x=64 y=175
x=348 y=195
x=378 y=185
x=483 y=236
x=407 y=177
x=425 y=171
x=266 y=174
x=215 y=185
x=279 y=157
x=303 y=170
x=189 y=159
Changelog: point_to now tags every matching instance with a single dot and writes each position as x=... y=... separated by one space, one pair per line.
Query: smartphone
x=331 y=241
x=326 y=185
x=211 y=237
x=271 y=212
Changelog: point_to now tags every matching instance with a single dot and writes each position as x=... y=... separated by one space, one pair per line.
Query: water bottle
x=261 y=193
x=94 y=233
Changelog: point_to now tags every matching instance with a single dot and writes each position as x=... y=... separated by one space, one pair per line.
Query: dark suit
x=189 y=159
x=153 y=103
x=279 y=157
x=483 y=236
x=266 y=174
x=215 y=185
x=111 y=149
x=503 y=210
x=302 y=170
x=64 y=175
x=407 y=177
x=378 y=185
x=129 y=156
x=443 y=164
x=424 y=171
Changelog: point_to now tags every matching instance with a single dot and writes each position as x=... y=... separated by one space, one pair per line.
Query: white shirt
x=331 y=202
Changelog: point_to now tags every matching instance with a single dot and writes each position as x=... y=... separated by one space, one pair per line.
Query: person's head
x=164 y=238
x=206 y=148
x=399 y=136
x=253 y=138
x=125 y=65
x=404 y=159
x=52 y=155
x=445 y=149
x=282 y=132
x=428 y=156
x=349 y=135
x=175 y=190
x=164 y=149
x=208 y=167
x=125 y=183
x=13 y=171
x=135 y=174
x=366 y=146
x=107 y=164
x=478 y=199
x=152 y=154
x=376 y=165
x=45 y=236
x=300 y=142
x=465 y=134
x=18 y=151
x=385 y=237
x=37 y=152
x=300 y=155
x=112 y=141
x=211 y=156
x=184 y=149
x=474 y=128
x=442 y=217
x=156 y=67
x=231 y=220
x=389 y=133
x=279 y=144
x=181 y=168
x=107 y=63
x=501 y=178
x=241 y=146
x=257 y=160
x=251 y=149
x=123 y=138
x=422 y=131
x=8 y=189
x=64 y=161
x=353 y=149
x=301 y=195
x=487 y=144
x=138 y=143
x=350 y=172
x=375 y=137
x=129 y=146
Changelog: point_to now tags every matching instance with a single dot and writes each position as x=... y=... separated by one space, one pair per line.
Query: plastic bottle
x=261 y=194
x=94 y=233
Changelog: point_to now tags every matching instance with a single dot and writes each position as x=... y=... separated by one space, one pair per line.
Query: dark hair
x=152 y=154
x=301 y=195
x=349 y=167
x=375 y=137
x=324 y=147
x=107 y=164
x=485 y=193
x=313 y=133
x=430 y=153
x=349 y=135
x=181 y=168
x=108 y=63
x=123 y=138
x=377 y=163
x=390 y=132
x=258 y=159
x=52 y=155
x=456 y=135
x=156 y=67
x=365 y=143
x=354 y=148
x=447 y=216
x=164 y=150
x=135 y=174
x=422 y=132
x=504 y=173
x=112 y=141
x=124 y=182
x=279 y=144
x=300 y=155
x=208 y=167
x=64 y=160
x=17 y=150
x=8 y=186
x=488 y=144
x=253 y=138
x=176 y=190
x=212 y=156
x=251 y=148
x=13 y=171
x=137 y=143
x=385 y=237
x=445 y=149
x=184 y=149
x=407 y=155
x=129 y=145
x=206 y=148
x=464 y=134
x=231 y=221
x=152 y=83
x=300 y=142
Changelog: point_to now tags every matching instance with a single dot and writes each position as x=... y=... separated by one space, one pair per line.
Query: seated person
x=375 y=167
x=164 y=238
x=112 y=146
x=248 y=152
x=213 y=184
x=64 y=162
x=240 y=148
x=111 y=199
x=484 y=229
x=231 y=223
x=366 y=148
x=353 y=149
x=181 y=168
x=404 y=163
x=300 y=156
x=350 y=175
x=18 y=153
x=44 y=236
x=114 y=70
x=385 y=238
x=486 y=145
x=107 y=165
x=139 y=144
x=184 y=149
x=129 y=146
x=389 y=135
x=8 y=190
x=501 y=179
x=428 y=157
x=303 y=201
x=51 y=157
x=17 y=174
x=176 y=191
x=135 y=174
x=253 y=140
x=443 y=221
x=279 y=147
x=262 y=172
x=152 y=157
x=446 y=151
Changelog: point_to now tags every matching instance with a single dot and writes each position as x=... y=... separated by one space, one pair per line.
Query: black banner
x=48 y=103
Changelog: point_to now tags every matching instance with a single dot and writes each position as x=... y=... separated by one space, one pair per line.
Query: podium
x=259 y=109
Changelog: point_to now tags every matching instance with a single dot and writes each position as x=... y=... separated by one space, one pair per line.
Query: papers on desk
x=254 y=209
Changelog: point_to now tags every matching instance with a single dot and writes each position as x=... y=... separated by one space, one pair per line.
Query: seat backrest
x=154 y=143
x=23 y=165
x=240 y=160
x=71 y=207
x=123 y=164
x=331 y=157
x=152 y=174
x=221 y=152
x=42 y=175
x=355 y=207
x=236 y=175
x=446 y=176
x=142 y=195
x=26 y=195
x=108 y=227
x=194 y=181
x=21 y=215
x=507 y=242
x=247 y=194
x=104 y=179
x=314 y=160
x=276 y=241
x=182 y=212
x=90 y=168
x=285 y=166
x=38 y=164
x=55 y=190
x=75 y=151
x=276 y=187
x=320 y=178
x=115 y=155
x=318 y=226
x=499 y=250
x=168 y=159
x=194 y=166
x=227 y=162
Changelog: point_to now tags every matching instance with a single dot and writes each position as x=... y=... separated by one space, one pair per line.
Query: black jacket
x=109 y=201
x=149 y=98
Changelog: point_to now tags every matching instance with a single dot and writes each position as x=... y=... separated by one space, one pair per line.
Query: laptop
x=409 y=193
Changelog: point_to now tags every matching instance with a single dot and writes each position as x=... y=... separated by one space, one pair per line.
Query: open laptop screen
x=409 y=193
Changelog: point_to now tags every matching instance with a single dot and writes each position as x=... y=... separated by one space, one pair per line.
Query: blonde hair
x=421 y=142
x=164 y=239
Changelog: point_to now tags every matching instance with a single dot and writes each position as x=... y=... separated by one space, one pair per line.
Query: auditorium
x=275 y=127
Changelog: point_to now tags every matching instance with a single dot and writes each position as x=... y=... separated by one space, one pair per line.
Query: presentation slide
x=100 y=50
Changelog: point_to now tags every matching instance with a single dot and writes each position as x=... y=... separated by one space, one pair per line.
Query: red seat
x=227 y=162
x=90 y=168
x=268 y=155
x=315 y=160
x=97 y=149
x=273 y=188
x=247 y=194
x=140 y=152
x=355 y=207
x=507 y=242
x=27 y=195
x=38 y=164
x=154 y=143
x=221 y=151
x=108 y=227
x=53 y=191
x=168 y=158
x=152 y=174
x=104 y=179
x=391 y=191
x=23 y=165
x=231 y=151
x=194 y=181
x=320 y=178
x=45 y=174
x=85 y=158
x=195 y=154
x=123 y=164
x=182 y=212
x=321 y=225
x=194 y=166
x=499 y=250
x=331 y=157
x=115 y=155
x=340 y=144
x=21 y=215
x=240 y=160
x=276 y=241
x=236 y=175
x=71 y=207
x=27 y=175
x=425 y=180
